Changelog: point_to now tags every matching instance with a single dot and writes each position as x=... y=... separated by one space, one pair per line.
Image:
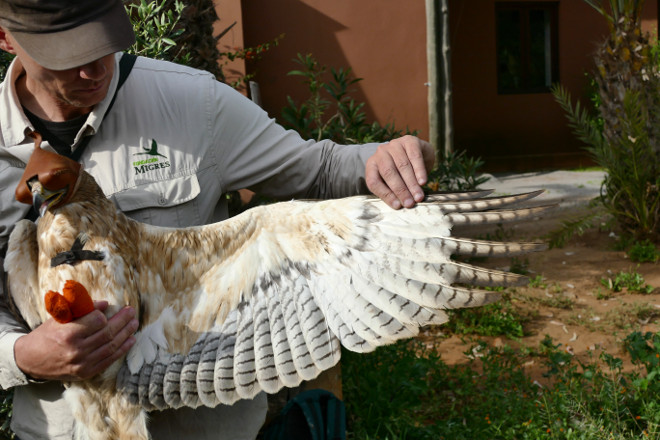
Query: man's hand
x=79 y=349
x=398 y=169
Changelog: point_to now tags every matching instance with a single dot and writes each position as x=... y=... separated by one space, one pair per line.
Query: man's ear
x=5 y=44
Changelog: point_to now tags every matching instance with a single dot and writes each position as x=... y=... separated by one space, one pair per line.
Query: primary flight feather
x=257 y=302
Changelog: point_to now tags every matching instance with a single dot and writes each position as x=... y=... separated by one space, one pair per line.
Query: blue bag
x=311 y=415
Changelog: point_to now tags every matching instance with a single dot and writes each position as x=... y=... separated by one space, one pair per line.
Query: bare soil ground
x=573 y=307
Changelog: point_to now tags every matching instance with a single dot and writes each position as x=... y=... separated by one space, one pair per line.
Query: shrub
x=644 y=251
x=183 y=32
x=330 y=112
x=457 y=172
x=155 y=28
x=5 y=60
x=5 y=414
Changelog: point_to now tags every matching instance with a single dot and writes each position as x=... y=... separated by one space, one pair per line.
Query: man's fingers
x=106 y=355
x=377 y=186
x=112 y=341
x=101 y=305
x=422 y=158
x=89 y=324
x=410 y=168
x=120 y=321
x=399 y=178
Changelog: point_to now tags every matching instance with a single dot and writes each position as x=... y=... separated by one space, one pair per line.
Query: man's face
x=77 y=89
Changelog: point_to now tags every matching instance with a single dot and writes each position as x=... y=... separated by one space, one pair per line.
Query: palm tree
x=625 y=64
x=624 y=137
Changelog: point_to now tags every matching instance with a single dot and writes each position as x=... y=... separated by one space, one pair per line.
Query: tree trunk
x=439 y=77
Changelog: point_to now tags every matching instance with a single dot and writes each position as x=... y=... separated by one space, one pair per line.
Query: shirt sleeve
x=257 y=153
x=10 y=328
x=10 y=331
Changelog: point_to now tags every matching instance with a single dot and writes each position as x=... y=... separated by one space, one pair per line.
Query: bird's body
x=257 y=302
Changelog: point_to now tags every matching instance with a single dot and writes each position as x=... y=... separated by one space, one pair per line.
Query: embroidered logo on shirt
x=154 y=162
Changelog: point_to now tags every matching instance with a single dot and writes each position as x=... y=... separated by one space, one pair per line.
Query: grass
x=557 y=301
x=538 y=281
x=554 y=294
x=499 y=318
x=406 y=391
x=627 y=316
x=603 y=294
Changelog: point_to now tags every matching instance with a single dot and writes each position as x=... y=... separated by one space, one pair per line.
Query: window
x=527 y=55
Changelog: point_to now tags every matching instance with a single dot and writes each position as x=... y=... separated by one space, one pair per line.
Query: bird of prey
x=254 y=303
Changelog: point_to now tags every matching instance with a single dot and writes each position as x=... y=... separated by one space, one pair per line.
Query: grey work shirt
x=174 y=143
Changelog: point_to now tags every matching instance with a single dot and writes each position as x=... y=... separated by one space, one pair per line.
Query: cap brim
x=109 y=33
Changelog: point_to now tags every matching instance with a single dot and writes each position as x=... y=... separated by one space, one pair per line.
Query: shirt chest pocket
x=171 y=203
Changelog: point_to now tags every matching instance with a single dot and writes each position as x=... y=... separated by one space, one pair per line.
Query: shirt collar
x=14 y=125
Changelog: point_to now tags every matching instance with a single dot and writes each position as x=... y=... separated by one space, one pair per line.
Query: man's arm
x=254 y=152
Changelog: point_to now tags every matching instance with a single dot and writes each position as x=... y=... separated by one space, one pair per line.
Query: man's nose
x=94 y=71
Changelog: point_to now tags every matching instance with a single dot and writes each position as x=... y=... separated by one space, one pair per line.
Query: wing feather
x=143 y=384
x=264 y=357
x=311 y=325
x=280 y=344
x=171 y=381
x=155 y=398
x=189 y=373
x=245 y=373
x=206 y=368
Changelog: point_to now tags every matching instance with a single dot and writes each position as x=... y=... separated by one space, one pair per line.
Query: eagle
x=260 y=301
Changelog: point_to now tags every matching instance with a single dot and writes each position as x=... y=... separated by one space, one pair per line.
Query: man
x=164 y=147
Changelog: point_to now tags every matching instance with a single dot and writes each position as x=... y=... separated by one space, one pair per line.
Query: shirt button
x=162 y=200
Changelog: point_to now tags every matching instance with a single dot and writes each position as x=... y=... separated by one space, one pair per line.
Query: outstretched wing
x=264 y=300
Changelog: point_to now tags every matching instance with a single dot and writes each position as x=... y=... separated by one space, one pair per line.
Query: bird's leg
x=103 y=414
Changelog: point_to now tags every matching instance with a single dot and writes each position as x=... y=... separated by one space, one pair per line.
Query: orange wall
x=519 y=131
x=383 y=41
x=229 y=12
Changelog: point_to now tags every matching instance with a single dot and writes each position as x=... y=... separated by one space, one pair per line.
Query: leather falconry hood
x=55 y=172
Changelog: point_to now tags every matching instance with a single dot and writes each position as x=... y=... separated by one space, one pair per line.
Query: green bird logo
x=153 y=151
